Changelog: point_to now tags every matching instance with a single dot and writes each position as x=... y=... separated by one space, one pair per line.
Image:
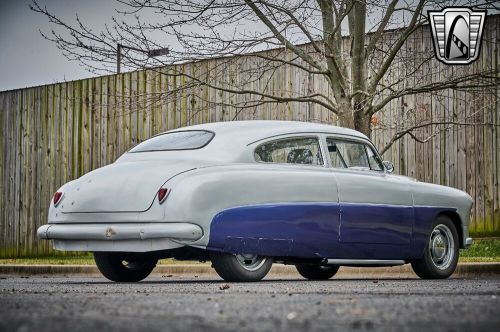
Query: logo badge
x=457 y=34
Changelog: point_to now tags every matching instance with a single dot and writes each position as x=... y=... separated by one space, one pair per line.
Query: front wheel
x=317 y=272
x=240 y=268
x=124 y=267
x=441 y=253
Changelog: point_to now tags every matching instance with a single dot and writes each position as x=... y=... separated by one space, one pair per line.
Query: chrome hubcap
x=442 y=247
x=250 y=262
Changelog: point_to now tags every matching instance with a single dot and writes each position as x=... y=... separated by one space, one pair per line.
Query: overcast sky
x=26 y=59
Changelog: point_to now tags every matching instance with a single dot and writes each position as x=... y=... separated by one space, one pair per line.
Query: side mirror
x=389 y=166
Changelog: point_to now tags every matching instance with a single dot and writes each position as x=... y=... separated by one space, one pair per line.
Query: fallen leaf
x=224 y=286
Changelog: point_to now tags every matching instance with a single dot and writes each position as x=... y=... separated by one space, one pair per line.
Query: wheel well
x=455 y=218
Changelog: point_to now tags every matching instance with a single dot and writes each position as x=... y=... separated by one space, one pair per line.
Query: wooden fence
x=54 y=133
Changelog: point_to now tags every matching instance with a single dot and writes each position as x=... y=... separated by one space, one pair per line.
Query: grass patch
x=482 y=250
x=80 y=259
x=479 y=259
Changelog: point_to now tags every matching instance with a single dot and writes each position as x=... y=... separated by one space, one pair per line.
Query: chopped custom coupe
x=245 y=194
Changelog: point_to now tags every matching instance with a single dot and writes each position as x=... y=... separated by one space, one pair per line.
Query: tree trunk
x=346 y=115
x=362 y=123
x=358 y=119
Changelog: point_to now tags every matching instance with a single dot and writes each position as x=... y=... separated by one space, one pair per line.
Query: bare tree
x=343 y=42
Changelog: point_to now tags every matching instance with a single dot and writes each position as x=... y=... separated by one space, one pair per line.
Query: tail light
x=162 y=194
x=57 y=197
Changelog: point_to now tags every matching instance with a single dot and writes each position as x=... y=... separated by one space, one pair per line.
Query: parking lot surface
x=190 y=303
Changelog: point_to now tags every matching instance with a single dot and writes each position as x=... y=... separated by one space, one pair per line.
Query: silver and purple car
x=245 y=194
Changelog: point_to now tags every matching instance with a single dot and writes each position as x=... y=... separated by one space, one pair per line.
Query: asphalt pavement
x=189 y=303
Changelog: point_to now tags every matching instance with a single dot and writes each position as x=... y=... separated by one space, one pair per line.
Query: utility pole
x=150 y=53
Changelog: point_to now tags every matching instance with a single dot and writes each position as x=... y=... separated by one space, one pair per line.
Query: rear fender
x=198 y=196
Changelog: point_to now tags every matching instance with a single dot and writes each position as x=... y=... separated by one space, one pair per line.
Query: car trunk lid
x=121 y=187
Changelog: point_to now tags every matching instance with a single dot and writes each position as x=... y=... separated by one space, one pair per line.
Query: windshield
x=181 y=140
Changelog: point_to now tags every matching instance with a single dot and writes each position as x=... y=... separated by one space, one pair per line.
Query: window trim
x=174 y=132
x=377 y=157
x=360 y=141
x=292 y=136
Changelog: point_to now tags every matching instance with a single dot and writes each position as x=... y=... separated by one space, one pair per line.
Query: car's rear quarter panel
x=243 y=202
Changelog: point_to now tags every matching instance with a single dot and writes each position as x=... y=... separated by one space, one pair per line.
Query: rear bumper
x=137 y=237
x=180 y=231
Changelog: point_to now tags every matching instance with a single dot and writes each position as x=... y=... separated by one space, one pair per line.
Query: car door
x=375 y=207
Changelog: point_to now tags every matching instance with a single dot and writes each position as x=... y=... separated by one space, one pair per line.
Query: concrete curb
x=278 y=270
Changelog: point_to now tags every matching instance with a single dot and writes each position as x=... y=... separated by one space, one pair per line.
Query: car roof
x=254 y=130
x=233 y=139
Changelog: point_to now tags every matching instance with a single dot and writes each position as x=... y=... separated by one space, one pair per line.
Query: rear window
x=180 y=140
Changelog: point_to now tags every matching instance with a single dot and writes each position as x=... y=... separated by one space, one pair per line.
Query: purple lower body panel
x=324 y=230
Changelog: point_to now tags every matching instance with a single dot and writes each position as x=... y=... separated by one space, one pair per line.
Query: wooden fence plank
x=496 y=111
x=3 y=170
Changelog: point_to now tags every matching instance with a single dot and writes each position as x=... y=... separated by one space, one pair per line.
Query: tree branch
x=409 y=131
x=296 y=22
x=306 y=57
x=470 y=81
x=374 y=38
x=395 y=49
x=307 y=99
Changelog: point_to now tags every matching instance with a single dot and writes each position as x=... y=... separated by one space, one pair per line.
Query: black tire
x=124 y=267
x=429 y=266
x=231 y=268
x=317 y=272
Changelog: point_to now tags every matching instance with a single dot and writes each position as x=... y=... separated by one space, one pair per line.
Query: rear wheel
x=441 y=253
x=125 y=267
x=241 y=268
x=317 y=272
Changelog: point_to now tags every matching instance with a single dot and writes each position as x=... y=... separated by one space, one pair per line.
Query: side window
x=335 y=155
x=297 y=150
x=373 y=159
x=348 y=154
